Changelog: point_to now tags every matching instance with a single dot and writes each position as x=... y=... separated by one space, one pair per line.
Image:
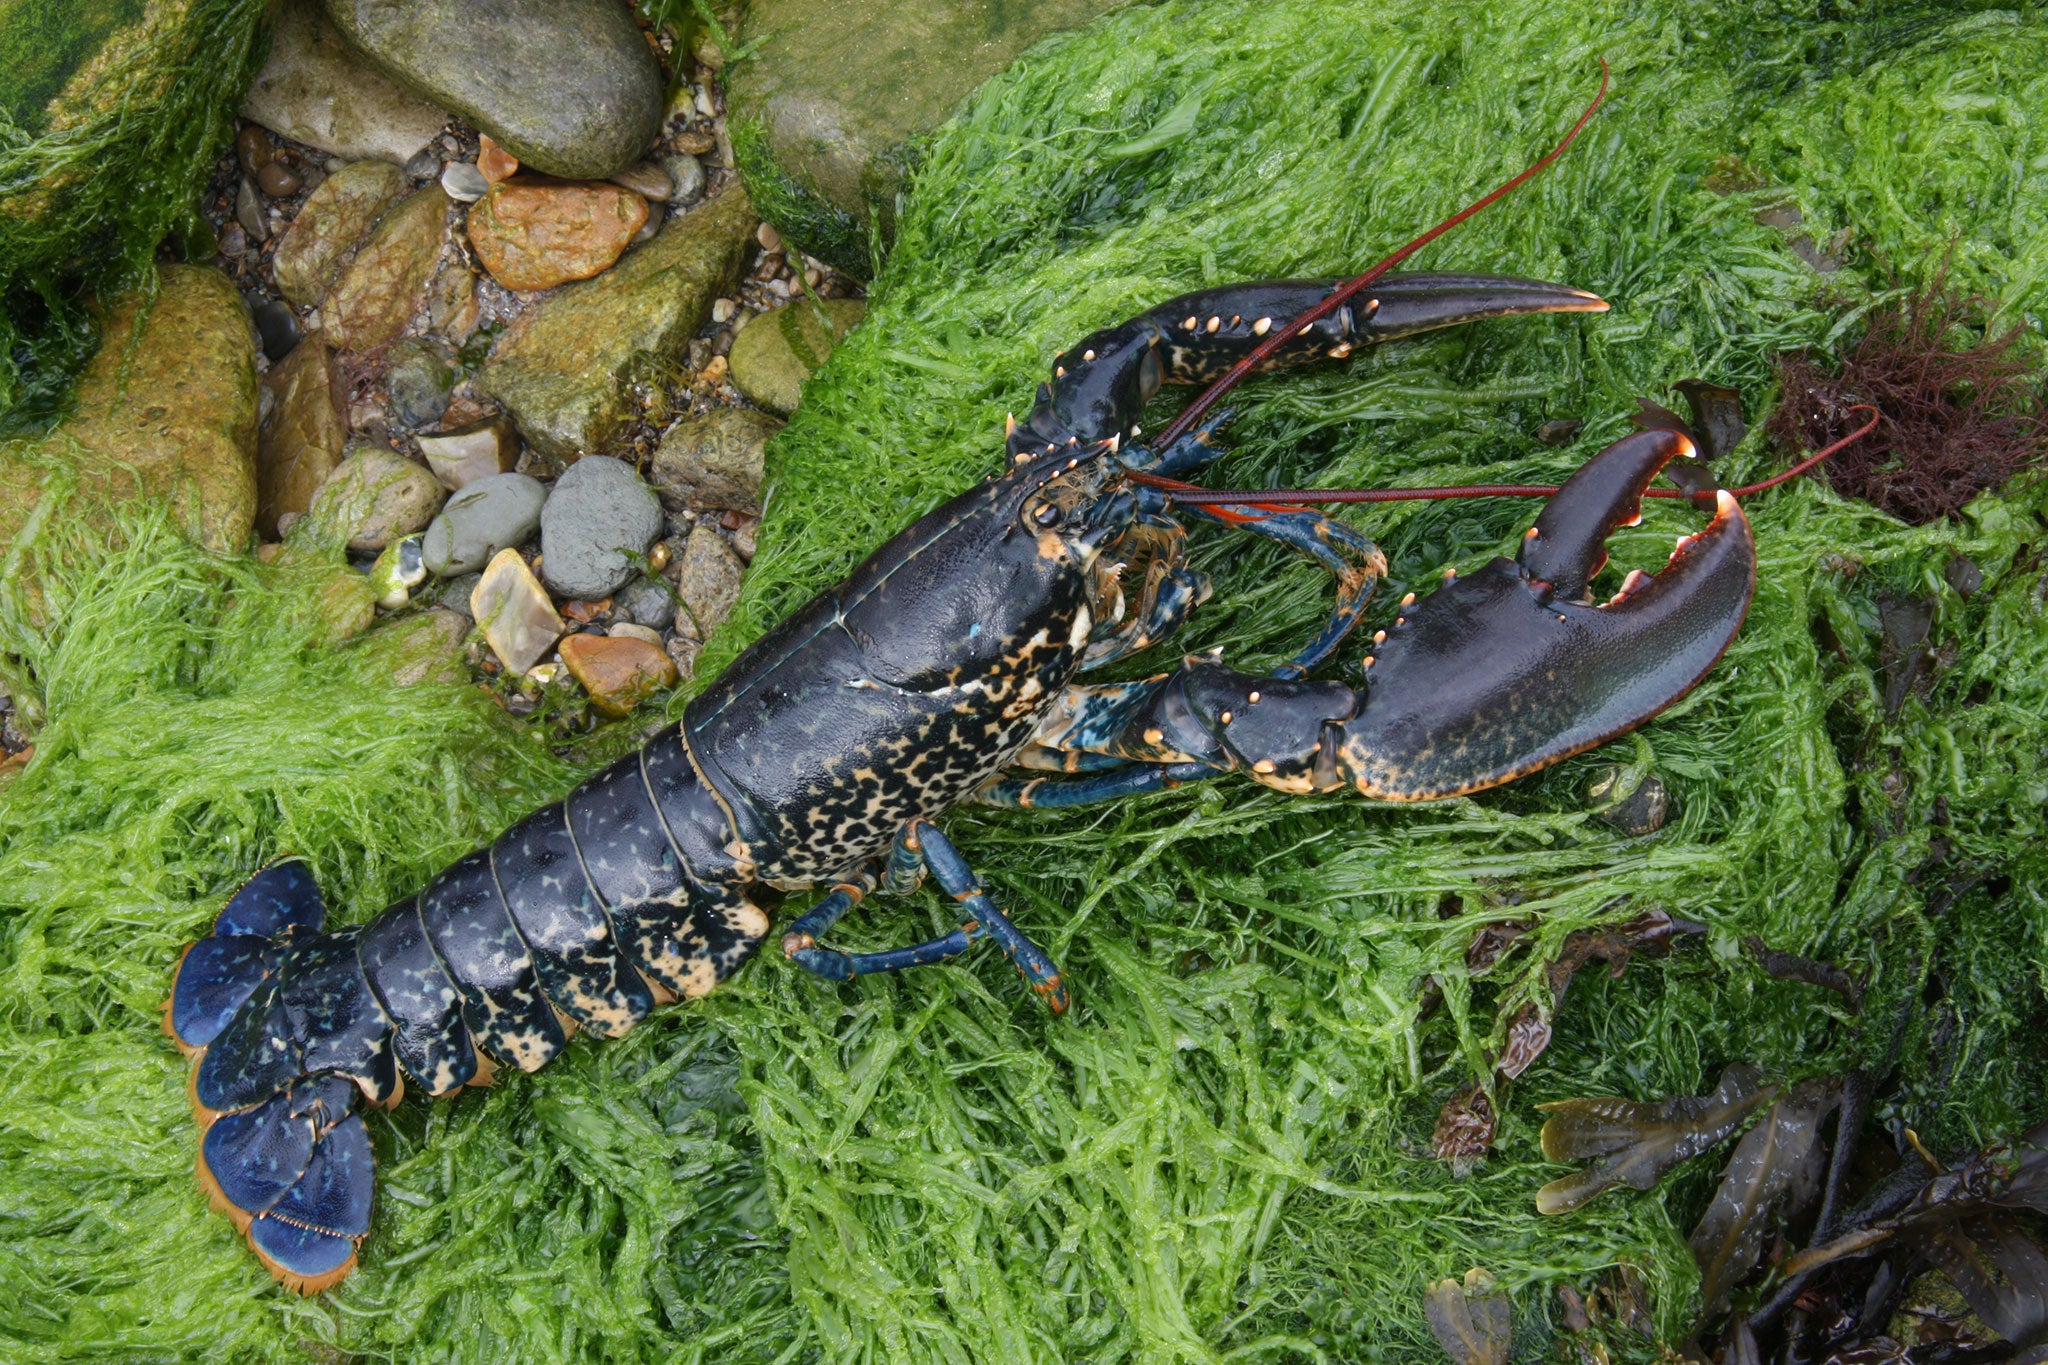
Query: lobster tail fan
x=296 y=1174
x=219 y=973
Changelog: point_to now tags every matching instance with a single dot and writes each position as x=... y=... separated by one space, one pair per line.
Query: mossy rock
x=829 y=112
x=167 y=409
x=778 y=350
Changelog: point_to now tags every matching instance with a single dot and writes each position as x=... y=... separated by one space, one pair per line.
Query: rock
x=778 y=350
x=565 y=369
x=277 y=327
x=373 y=497
x=477 y=451
x=493 y=162
x=618 y=672
x=317 y=89
x=454 y=594
x=648 y=180
x=683 y=650
x=627 y=630
x=333 y=219
x=302 y=440
x=536 y=234
x=451 y=298
x=835 y=92
x=424 y=164
x=378 y=293
x=253 y=150
x=713 y=460
x=421 y=374
x=599 y=510
x=463 y=182
x=707 y=578
x=1634 y=802
x=166 y=409
x=686 y=173
x=517 y=619
x=249 y=212
x=278 y=180
x=647 y=603
x=398 y=570
x=568 y=86
x=426 y=648
x=490 y=514
x=1963 y=575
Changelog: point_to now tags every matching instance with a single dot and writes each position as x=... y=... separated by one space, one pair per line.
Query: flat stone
x=477 y=451
x=619 y=672
x=518 y=621
x=778 y=350
x=302 y=441
x=536 y=234
x=373 y=497
x=376 y=296
x=598 y=514
x=839 y=92
x=333 y=219
x=490 y=514
x=707 y=578
x=567 y=86
x=714 y=460
x=420 y=376
x=648 y=180
x=167 y=408
x=565 y=370
x=316 y=89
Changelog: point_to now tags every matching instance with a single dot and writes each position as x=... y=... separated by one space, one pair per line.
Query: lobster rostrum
x=942 y=671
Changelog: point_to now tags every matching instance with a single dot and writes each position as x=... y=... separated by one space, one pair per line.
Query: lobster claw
x=1501 y=672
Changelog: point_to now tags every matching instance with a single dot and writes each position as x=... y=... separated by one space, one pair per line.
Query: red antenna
x=1349 y=289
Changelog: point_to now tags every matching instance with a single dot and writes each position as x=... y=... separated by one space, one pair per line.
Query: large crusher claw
x=1507 y=670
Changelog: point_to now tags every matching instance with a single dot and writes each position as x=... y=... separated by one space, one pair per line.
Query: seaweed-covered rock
x=598 y=513
x=166 y=409
x=835 y=92
x=302 y=440
x=335 y=216
x=373 y=497
x=381 y=289
x=316 y=89
x=778 y=350
x=568 y=86
x=714 y=460
x=565 y=368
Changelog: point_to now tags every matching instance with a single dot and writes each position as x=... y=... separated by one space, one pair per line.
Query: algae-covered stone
x=564 y=370
x=335 y=216
x=426 y=648
x=568 y=86
x=835 y=92
x=382 y=288
x=778 y=350
x=714 y=460
x=316 y=89
x=373 y=497
x=166 y=409
x=302 y=441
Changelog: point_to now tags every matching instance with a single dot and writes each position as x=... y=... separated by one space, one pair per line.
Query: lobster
x=942 y=671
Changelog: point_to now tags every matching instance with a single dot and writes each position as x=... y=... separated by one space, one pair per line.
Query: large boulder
x=826 y=112
x=564 y=371
x=569 y=87
x=167 y=409
x=317 y=89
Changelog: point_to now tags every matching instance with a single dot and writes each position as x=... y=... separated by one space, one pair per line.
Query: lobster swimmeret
x=942 y=671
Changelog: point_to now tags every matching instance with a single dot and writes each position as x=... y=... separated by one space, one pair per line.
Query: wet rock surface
x=488 y=515
x=376 y=296
x=707 y=578
x=598 y=513
x=619 y=672
x=302 y=440
x=374 y=496
x=476 y=451
x=317 y=89
x=419 y=377
x=714 y=460
x=538 y=234
x=514 y=613
x=167 y=408
x=563 y=370
x=335 y=217
x=778 y=350
x=567 y=86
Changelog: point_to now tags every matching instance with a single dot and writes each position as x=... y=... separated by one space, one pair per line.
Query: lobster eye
x=1047 y=514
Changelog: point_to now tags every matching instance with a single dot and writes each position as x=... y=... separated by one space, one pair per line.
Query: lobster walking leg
x=954 y=876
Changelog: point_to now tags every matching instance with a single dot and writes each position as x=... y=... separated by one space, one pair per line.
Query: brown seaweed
x=1776 y=1167
x=1635 y=1143
x=1470 y=1319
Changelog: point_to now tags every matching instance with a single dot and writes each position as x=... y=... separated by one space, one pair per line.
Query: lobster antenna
x=1280 y=499
x=1350 y=288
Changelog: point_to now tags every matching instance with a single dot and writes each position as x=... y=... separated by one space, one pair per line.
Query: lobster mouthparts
x=1507 y=670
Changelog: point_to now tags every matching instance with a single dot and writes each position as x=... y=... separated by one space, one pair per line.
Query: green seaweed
x=1223 y=1153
